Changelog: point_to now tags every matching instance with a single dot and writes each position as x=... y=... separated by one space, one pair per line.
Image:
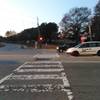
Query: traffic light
x=40 y=39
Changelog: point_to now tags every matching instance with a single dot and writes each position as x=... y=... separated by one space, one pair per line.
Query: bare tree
x=76 y=20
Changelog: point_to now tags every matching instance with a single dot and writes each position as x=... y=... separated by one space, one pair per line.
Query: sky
x=17 y=15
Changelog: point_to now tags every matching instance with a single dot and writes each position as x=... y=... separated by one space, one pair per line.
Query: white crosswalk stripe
x=38 y=71
x=46 y=55
x=31 y=77
x=41 y=66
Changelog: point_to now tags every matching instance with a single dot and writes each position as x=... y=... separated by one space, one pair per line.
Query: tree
x=96 y=22
x=48 y=30
x=76 y=20
x=52 y=29
x=97 y=9
x=43 y=30
x=10 y=33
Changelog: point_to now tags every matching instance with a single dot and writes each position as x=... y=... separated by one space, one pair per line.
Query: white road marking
x=39 y=64
x=5 y=78
x=46 y=56
x=65 y=80
x=81 y=61
x=20 y=67
x=31 y=77
x=41 y=70
x=46 y=62
x=32 y=66
x=32 y=88
x=65 y=87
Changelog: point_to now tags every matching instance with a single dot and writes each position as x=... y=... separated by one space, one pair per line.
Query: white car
x=91 y=47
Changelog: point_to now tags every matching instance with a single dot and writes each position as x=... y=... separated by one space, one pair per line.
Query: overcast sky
x=18 y=15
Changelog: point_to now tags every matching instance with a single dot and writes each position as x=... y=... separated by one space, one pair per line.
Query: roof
x=92 y=42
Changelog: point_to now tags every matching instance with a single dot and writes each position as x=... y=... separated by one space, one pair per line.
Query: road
x=38 y=77
x=84 y=79
x=43 y=74
x=84 y=76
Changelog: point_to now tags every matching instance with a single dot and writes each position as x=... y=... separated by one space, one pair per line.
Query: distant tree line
x=48 y=31
x=73 y=25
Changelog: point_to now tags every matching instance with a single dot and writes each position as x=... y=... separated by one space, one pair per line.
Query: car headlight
x=69 y=50
x=57 y=48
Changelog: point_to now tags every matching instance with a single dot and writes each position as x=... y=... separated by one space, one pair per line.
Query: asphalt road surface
x=83 y=73
x=41 y=79
x=32 y=74
x=38 y=80
x=39 y=74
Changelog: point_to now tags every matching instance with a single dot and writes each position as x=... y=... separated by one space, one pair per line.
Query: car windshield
x=77 y=46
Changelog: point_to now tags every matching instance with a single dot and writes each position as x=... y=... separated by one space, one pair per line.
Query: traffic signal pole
x=39 y=35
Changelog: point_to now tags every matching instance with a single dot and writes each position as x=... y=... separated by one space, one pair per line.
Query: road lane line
x=20 y=67
x=81 y=61
x=5 y=78
x=65 y=80
x=67 y=86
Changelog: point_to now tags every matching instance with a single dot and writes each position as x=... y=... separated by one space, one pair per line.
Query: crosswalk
x=38 y=76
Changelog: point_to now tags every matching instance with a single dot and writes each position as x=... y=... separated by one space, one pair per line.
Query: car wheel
x=98 y=53
x=75 y=53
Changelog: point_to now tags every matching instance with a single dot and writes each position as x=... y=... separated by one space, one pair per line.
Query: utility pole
x=38 y=26
x=39 y=35
x=89 y=26
x=37 y=40
x=90 y=33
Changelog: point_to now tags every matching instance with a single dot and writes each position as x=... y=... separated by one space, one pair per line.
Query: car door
x=85 y=48
x=92 y=47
